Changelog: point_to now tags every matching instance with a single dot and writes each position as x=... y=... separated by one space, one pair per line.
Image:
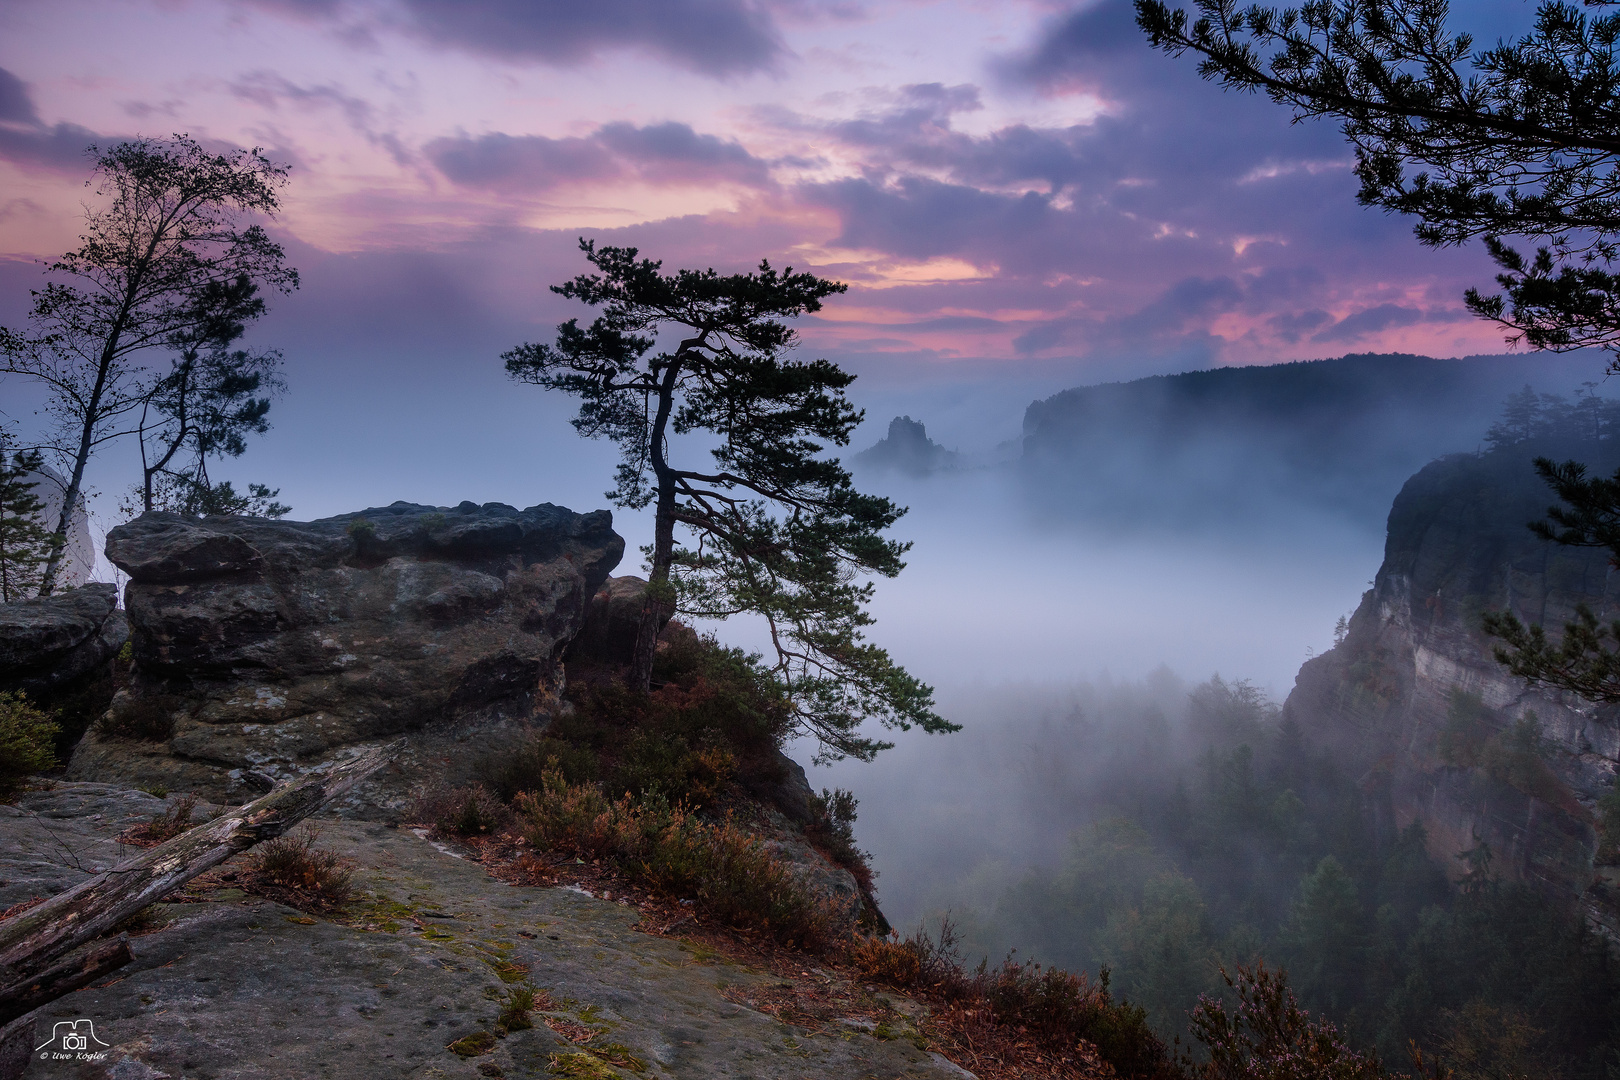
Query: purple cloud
x=270 y=90
x=657 y=153
x=309 y=9
x=15 y=105
x=1369 y=321
x=711 y=37
x=24 y=140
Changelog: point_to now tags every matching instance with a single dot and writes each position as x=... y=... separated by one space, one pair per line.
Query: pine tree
x=1520 y=139
x=730 y=378
x=25 y=544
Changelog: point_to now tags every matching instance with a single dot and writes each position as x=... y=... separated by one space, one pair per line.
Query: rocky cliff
x=1413 y=699
x=262 y=647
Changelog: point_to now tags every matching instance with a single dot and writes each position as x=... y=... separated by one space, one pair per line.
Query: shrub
x=520 y=1002
x=1016 y=1002
x=27 y=738
x=662 y=763
x=667 y=848
x=1267 y=1036
x=296 y=870
x=145 y=719
x=522 y=765
x=832 y=828
x=466 y=811
x=714 y=720
x=162 y=827
x=888 y=960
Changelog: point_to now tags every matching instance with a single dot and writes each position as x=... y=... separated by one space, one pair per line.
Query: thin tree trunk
x=656 y=607
x=53 y=563
x=38 y=937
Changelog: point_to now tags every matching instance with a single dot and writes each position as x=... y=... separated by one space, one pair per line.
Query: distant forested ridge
x=1339 y=436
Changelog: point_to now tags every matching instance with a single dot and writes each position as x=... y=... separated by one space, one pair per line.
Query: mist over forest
x=1115 y=614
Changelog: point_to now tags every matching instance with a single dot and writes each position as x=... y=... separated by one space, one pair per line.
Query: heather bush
x=666 y=847
x=712 y=725
x=1059 y=1010
x=1267 y=1036
x=464 y=811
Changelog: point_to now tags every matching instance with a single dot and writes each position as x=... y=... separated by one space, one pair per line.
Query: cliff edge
x=1504 y=778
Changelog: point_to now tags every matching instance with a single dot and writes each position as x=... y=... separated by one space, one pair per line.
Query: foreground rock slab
x=263 y=648
x=239 y=987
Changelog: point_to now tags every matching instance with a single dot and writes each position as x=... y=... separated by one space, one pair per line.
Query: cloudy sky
x=1022 y=195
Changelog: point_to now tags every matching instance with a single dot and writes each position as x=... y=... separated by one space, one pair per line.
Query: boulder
x=53 y=641
x=608 y=637
x=263 y=648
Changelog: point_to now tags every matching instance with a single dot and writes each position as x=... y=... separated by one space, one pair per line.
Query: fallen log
x=24 y=997
x=34 y=939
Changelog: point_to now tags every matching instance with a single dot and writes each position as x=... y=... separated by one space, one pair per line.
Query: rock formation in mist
x=261 y=646
x=1444 y=735
x=908 y=449
x=79 y=554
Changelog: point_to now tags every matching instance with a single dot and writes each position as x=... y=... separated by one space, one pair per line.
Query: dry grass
x=162 y=827
x=293 y=870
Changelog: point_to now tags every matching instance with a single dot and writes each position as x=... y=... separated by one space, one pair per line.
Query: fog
x=1020 y=626
x=1051 y=630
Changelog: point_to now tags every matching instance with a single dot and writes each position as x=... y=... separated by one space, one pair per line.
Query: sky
x=1022 y=195
x=1018 y=190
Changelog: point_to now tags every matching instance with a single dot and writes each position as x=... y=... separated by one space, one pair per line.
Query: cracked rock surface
x=237 y=986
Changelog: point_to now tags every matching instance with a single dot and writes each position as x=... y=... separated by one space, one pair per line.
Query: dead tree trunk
x=24 y=997
x=32 y=941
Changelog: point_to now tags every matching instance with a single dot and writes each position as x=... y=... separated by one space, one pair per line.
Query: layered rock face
x=1443 y=735
x=262 y=647
x=51 y=642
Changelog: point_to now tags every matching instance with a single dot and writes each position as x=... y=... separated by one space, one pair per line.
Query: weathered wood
x=34 y=939
x=22 y=998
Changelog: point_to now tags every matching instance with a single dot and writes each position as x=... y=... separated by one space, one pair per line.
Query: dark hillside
x=1338 y=435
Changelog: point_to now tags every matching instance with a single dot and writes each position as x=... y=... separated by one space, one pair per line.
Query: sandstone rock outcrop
x=237 y=987
x=262 y=648
x=50 y=642
x=1442 y=734
x=608 y=637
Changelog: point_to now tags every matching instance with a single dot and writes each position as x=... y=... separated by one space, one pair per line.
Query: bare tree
x=161 y=266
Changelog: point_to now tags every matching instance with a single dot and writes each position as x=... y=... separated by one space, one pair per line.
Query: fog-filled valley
x=1115 y=609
